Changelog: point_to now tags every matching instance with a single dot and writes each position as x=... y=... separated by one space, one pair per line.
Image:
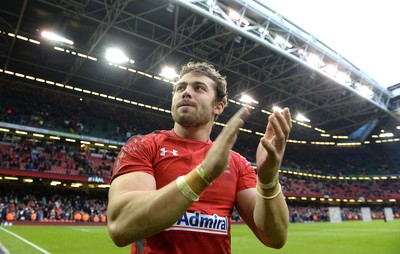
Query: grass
x=352 y=237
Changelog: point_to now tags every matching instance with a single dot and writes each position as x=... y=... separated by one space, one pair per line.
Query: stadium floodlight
x=364 y=90
x=302 y=118
x=115 y=55
x=330 y=69
x=343 y=77
x=280 y=40
x=169 y=73
x=247 y=99
x=235 y=16
x=313 y=60
x=55 y=37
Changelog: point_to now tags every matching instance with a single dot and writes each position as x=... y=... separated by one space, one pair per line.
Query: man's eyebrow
x=186 y=83
x=179 y=83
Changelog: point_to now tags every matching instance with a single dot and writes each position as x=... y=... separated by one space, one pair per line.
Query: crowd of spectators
x=320 y=213
x=47 y=157
x=341 y=188
x=41 y=202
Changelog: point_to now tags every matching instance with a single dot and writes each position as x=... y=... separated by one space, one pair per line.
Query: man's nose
x=187 y=92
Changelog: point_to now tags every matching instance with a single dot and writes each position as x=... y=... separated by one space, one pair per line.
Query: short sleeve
x=135 y=156
x=247 y=175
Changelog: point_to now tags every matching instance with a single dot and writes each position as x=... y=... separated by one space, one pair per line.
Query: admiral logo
x=198 y=222
x=164 y=151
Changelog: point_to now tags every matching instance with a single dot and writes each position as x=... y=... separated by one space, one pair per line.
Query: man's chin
x=186 y=122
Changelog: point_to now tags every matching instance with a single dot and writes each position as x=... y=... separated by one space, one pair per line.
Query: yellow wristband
x=203 y=174
x=270 y=185
x=185 y=189
x=270 y=197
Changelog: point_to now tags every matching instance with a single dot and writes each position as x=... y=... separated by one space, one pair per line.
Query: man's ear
x=219 y=107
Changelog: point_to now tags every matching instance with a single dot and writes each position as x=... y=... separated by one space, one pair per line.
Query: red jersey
x=205 y=227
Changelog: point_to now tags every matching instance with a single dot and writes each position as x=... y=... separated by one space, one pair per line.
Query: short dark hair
x=208 y=70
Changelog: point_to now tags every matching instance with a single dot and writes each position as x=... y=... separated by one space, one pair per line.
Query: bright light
x=115 y=55
x=386 y=135
x=210 y=2
x=235 y=16
x=54 y=37
x=330 y=69
x=103 y=186
x=247 y=99
x=54 y=183
x=343 y=77
x=282 y=41
x=11 y=178
x=313 y=60
x=364 y=90
x=302 y=118
x=169 y=73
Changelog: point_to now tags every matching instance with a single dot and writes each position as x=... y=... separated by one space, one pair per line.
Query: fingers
x=288 y=118
x=218 y=156
x=237 y=120
x=228 y=135
x=281 y=124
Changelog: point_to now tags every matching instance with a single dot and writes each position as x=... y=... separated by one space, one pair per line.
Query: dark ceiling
x=155 y=33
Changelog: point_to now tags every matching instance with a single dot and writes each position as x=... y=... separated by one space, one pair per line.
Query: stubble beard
x=196 y=119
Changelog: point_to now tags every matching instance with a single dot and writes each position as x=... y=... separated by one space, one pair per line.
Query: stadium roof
x=157 y=33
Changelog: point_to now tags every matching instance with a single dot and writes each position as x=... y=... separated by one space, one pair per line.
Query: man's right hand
x=217 y=157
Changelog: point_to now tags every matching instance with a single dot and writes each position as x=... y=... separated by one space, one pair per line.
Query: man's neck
x=201 y=133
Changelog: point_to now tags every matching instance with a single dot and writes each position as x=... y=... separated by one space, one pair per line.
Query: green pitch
x=354 y=237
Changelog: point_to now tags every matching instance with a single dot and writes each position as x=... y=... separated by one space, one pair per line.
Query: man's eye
x=179 y=88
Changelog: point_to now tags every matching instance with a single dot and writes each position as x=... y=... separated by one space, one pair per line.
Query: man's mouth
x=185 y=104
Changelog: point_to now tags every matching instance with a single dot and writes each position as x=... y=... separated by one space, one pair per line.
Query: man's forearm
x=135 y=215
x=271 y=217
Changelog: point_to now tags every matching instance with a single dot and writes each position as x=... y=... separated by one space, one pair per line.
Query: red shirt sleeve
x=247 y=174
x=135 y=156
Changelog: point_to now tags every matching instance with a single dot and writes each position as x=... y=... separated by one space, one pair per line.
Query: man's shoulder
x=153 y=136
x=237 y=158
